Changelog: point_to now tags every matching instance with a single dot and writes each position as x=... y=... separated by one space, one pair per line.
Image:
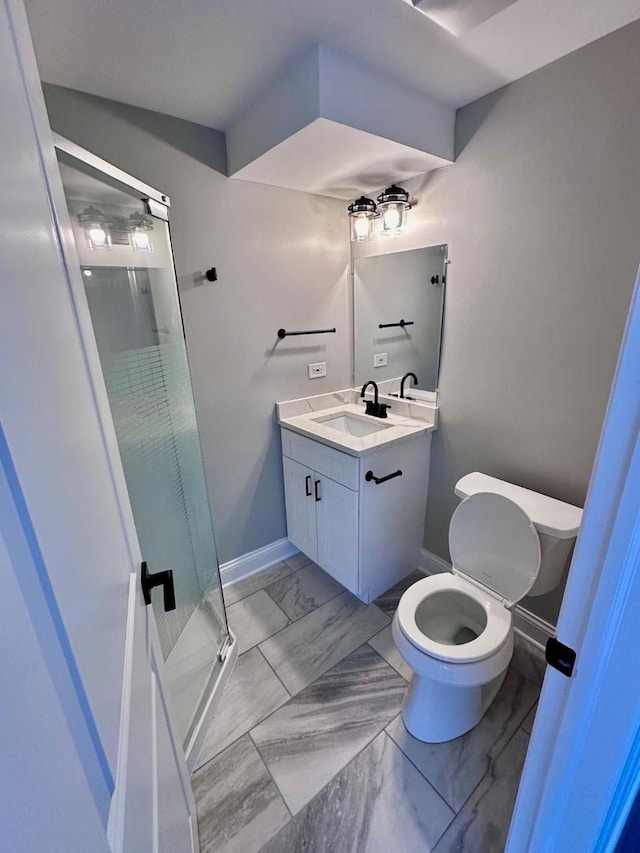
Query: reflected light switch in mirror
x=380 y=359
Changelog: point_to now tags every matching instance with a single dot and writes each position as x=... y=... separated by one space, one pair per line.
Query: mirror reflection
x=398 y=311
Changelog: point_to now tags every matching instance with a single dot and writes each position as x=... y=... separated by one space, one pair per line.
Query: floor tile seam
x=251 y=731
x=304 y=565
x=336 y=774
x=289 y=621
x=492 y=761
x=436 y=846
x=340 y=660
x=491 y=766
x=255 y=726
x=313 y=610
x=513 y=734
x=264 y=658
x=241 y=735
x=429 y=783
x=311 y=683
x=334 y=663
x=253 y=591
x=421 y=772
x=497 y=755
x=368 y=643
x=264 y=639
x=527 y=717
x=277 y=787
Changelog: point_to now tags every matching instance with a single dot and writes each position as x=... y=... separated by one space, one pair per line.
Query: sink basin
x=350 y=424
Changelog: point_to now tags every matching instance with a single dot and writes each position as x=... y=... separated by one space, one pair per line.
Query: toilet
x=455 y=629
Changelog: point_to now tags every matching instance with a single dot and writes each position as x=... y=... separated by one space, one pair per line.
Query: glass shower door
x=127 y=266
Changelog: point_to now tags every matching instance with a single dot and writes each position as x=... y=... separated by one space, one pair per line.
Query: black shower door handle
x=163 y=579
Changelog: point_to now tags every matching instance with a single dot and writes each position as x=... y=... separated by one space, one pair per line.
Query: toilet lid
x=494 y=542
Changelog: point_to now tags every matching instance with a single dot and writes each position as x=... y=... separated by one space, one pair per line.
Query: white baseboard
x=530 y=626
x=255 y=561
x=430 y=564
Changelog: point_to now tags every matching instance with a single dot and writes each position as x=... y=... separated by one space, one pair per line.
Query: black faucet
x=404 y=379
x=374 y=408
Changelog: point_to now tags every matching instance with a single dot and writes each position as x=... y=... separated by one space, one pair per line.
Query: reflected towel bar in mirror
x=402 y=324
x=282 y=333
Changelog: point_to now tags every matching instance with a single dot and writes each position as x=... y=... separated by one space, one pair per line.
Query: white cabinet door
x=299 y=489
x=337 y=523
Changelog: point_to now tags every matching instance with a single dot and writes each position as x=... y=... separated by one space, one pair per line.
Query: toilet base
x=434 y=712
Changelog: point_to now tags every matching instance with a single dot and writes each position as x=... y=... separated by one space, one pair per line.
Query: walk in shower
x=121 y=233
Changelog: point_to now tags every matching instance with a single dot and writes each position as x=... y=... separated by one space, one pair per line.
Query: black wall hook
x=212 y=274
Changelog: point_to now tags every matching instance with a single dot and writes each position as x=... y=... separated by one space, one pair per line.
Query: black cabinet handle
x=317 y=488
x=163 y=579
x=369 y=476
x=307 y=485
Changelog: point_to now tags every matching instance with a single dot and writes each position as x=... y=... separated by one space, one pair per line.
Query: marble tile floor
x=308 y=752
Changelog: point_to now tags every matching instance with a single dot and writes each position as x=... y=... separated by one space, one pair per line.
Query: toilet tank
x=557 y=524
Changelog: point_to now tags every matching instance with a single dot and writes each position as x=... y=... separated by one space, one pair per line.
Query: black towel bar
x=402 y=324
x=282 y=333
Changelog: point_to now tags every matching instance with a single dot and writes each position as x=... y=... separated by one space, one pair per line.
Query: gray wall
x=282 y=259
x=541 y=211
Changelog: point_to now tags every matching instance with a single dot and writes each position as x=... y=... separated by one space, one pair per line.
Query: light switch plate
x=317 y=370
x=380 y=359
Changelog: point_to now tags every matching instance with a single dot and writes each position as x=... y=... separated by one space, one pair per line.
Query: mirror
x=398 y=313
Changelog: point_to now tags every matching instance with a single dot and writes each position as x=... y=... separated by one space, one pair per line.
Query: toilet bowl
x=455 y=630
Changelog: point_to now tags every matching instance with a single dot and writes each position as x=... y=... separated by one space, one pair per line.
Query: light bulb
x=391 y=218
x=362 y=227
x=141 y=241
x=98 y=236
x=88 y=273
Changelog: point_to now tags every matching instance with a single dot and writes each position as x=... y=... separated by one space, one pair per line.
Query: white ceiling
x=328 y=158
x=206 y=60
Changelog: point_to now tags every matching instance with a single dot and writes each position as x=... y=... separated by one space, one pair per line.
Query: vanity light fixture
x=393 y=205
x=362 y=212
x=96 y=227
x=391 y=210
x=140 y=225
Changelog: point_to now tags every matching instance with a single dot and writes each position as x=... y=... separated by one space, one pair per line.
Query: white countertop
x=305 y=416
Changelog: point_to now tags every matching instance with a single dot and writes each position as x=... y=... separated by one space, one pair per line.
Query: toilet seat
x=493 y=637
x=495 y=551
x=494 y=543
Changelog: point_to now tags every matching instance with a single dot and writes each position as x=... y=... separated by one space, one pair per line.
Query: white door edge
x=576 y=779
x=115 y=825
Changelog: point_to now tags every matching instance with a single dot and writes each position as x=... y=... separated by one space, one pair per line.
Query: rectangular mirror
x=398 y=313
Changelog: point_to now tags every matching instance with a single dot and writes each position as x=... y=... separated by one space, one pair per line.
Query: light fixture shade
x=96 y=228
x=362 y=212
x=140 y=226
x=393 y=205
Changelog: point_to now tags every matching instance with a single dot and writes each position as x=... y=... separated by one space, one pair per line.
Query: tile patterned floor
x=308 y=751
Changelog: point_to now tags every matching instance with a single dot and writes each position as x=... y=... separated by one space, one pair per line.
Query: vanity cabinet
x=322 y=520
x=366 y=535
